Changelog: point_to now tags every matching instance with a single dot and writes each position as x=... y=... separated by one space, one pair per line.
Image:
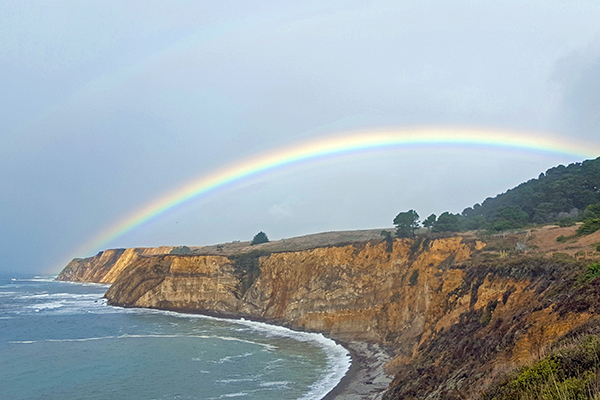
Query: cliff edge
x=455 y=315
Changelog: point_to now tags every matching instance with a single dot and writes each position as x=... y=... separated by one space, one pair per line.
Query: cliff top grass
x=299 y=243
x=544 y=240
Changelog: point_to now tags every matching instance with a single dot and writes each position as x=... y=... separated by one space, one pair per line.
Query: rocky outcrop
x=206 y=283
x=105 y=266
x=454 y=317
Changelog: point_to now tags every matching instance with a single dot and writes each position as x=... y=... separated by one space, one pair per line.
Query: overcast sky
x=108 y=105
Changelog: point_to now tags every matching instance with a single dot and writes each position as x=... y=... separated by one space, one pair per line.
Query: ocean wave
x=38 y=279
x=60 y=296
x=85 y=284
x=233 y=380
x=153 y=336
x=275 y=384
x=338 y=357
x=238 y=394
x=46 y=306
x=229 y=358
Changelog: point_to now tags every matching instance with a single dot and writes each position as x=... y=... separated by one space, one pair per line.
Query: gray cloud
x=577 y=89
x=112 y=104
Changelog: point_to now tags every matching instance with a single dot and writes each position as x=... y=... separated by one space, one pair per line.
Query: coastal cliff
x=454 y=315
x=105 y=266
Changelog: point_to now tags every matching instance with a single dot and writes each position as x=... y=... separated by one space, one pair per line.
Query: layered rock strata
x=105 y=266
x=454 y=320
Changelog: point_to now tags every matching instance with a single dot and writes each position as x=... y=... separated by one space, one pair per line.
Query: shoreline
x=364 y=379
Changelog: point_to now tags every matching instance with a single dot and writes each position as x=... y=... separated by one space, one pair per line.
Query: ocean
x=60 y=340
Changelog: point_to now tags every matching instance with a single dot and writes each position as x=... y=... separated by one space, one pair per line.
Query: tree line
x=562 y=195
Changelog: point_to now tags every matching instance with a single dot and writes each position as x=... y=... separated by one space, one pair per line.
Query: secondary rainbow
x=339 y=145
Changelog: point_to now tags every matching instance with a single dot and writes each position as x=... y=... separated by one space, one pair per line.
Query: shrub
x=589 y=226
x=593 y=271
x=561 y=239
x=387 y=235
x=566 y=221
x=181 y=250
x=568 y=373
x=259 y=238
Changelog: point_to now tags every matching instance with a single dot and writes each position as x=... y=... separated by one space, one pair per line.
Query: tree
x=447 y=222
x=259 y=238
x=510 y=217
x=430 y=221
x=406 y=223
x=589 y=226
x=591 y=211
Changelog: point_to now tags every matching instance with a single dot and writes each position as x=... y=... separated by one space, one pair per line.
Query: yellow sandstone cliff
x=106 y=266
x=454 y=320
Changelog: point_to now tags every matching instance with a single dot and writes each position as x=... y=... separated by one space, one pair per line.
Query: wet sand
x=366 y=378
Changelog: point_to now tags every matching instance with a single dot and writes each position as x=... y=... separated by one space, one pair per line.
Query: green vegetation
x=592 y=211
x=561 y=190
x=561 y=195
x=259 y=238
x=406 y=223
x=593 y=271
x=247 y=267
x=430 y=221
x=387 y=236
x=566 y=221
x=589 y=226
x=181 y=250
x=568 y=373
x=564 y=239
x=447 y=223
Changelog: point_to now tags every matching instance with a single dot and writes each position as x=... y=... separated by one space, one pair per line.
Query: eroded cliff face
x=203 y=283
x=105 y=266
x=357 y=292
x=456 y=321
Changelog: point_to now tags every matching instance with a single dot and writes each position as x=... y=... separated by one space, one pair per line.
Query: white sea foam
x=40 y=279
x=239 y=394
x=178 y=336
x=229 y=358
x=60 y=296
x=274 y=384
x=46 y=306
x=227 y=381
x=338 y=357
x=86 y=284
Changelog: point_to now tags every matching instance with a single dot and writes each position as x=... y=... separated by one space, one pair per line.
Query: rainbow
x=346 y=144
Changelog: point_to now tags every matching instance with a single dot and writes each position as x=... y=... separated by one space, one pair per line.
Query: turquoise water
x=61 y=340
